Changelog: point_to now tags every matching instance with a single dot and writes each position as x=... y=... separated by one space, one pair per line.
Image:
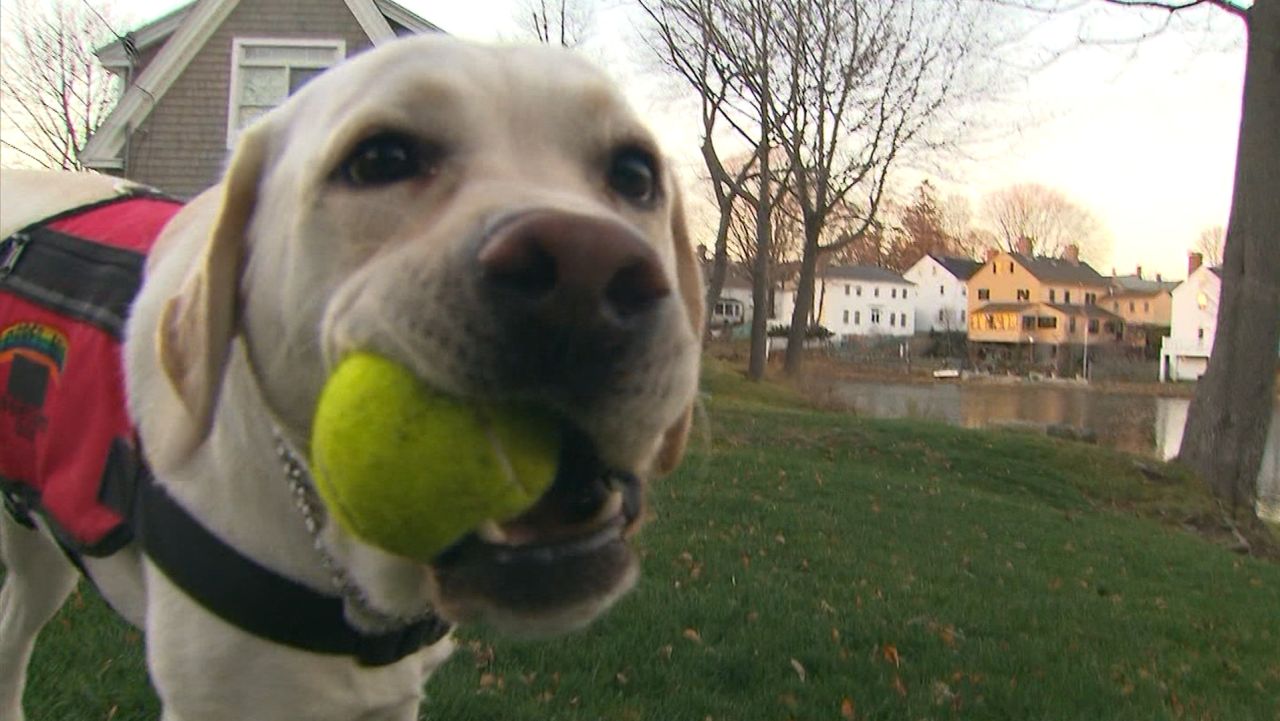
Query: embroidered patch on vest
x=37 y=354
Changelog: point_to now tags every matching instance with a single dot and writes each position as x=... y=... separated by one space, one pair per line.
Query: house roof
x=1004 y=307
x=961 y=268
x=1060 y=270
x=183 y=33
x=1089 y=311
x=869 y=273
x=1137 y=285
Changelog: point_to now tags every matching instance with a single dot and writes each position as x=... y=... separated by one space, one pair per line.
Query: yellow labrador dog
x=495 y=219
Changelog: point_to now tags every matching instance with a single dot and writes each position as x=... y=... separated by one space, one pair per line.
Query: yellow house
x=1145 y=305
x=1041 y=303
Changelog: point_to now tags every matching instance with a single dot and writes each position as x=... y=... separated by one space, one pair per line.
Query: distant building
x=1036 y=306
x=1146 y=305
x=859 y=300
x=1184 y=355
x=196 y=77
x=942 y=298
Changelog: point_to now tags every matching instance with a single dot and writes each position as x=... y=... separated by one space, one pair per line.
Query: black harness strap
x=255 y=599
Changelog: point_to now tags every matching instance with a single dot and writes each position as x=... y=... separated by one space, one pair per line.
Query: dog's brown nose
x=568 y=270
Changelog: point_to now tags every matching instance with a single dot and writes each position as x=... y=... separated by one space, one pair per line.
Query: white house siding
x=1184 y=355
x=868 y=308
x=941 y=299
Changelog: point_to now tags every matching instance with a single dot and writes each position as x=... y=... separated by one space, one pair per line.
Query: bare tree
x=1231 y=412
x=1229 y=417
x=724 y=50
x=1046 y=218
x=1209 y=245
x=53 y=91
x=557 y=22
x=868 y=79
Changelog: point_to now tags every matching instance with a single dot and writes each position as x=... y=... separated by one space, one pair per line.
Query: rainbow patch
x=36 y=342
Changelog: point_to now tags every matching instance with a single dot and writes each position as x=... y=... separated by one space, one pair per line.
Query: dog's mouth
x=563 y=557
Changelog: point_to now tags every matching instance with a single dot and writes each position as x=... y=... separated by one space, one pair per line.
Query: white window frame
x=338 y=45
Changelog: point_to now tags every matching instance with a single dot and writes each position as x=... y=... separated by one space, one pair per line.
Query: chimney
x=992 y=253
x=1159 y=278
x=1072 y=254
x=1139 y=273
x=1024 y=246
x=1194 y=260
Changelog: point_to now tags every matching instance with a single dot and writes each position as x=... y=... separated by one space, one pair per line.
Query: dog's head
x=498 y=221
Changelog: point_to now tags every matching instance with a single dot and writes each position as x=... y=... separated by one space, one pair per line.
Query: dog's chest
x=66 y=285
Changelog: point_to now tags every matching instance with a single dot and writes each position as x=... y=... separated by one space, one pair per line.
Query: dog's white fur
x=260 y=284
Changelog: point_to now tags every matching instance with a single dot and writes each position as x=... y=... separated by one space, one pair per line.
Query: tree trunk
x=719 y=267
x=804 y=300
x=761 y=275
x=1232 y=409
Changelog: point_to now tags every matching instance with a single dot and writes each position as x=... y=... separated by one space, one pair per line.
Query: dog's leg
x=38 y=578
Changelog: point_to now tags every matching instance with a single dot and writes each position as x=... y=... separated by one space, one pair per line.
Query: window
x=1024 y=294
x=1093 y=326
x=893 y=292
x=857 y=290
x=1028 y=322
x=942 y=315
x=1092 y=299
x=846 y=315
x=728 y=309
x=984 y=294
x=942 y=290
x=857 y=317
x=1146 y=307
x=1046 y=321
x=1071 y=325
x=876 y=293
x=875 y=316
x=265 y=71
x=962 y=316
x=1066 y=297
x=995 y=268
x=964 y=290
x=893 y=320
x=1010 y=266
x=1052 y=294
x=846 y=289
x=1199 y=333
x=1132 y=306
x=902 y=319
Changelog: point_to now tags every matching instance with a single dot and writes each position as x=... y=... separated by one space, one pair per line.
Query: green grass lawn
x=809 y=565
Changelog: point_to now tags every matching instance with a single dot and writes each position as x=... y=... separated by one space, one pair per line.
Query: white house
x=942 y=300
x=859 y=300
x=1184 y=354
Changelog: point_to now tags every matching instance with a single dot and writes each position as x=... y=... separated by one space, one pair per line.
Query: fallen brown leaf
x=847 y=710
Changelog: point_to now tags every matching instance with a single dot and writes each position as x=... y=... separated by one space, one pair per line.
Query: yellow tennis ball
x=410 y=470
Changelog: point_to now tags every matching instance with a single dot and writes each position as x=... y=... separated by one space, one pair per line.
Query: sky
x=1143 y=136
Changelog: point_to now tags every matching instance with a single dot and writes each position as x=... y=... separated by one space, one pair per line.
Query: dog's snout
x=566 y=269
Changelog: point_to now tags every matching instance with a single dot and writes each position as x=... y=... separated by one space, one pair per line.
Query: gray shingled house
x=197 y=76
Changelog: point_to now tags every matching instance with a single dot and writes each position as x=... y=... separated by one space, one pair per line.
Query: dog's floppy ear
x=689 y=278
x=198 y=324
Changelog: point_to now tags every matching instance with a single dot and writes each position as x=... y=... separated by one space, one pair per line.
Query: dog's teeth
x=610 y=508
x=490 y=532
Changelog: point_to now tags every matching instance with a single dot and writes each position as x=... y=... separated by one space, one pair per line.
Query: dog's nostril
x=635 y=288
x=527 y=268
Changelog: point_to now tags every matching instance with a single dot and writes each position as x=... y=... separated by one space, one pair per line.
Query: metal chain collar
x=308 y=504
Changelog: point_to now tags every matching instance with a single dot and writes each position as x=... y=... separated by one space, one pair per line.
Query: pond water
x=1141 y=424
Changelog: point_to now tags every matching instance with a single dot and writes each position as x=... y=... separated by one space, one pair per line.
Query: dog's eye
x=384 y=159
x=633 y=174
